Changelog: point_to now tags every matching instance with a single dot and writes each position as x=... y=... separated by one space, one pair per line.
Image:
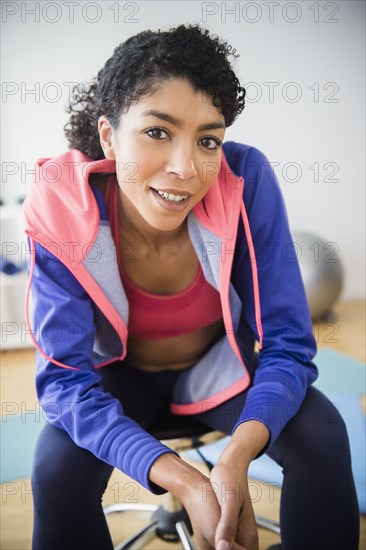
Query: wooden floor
x=346 y=335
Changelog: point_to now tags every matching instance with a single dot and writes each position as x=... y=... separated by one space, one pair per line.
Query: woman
x=159 y=256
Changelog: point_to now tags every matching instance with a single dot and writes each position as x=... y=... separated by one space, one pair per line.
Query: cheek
x=137 y=168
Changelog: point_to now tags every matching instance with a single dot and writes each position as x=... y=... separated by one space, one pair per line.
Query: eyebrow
x=178 y=122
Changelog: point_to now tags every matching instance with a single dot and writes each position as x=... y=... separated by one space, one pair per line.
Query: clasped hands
x=220 y=510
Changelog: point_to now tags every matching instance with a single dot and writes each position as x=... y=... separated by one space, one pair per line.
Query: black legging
x=319 y=509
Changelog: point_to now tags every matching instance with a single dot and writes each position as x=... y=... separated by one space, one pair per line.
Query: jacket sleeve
x=73 y=399
x=285 y=368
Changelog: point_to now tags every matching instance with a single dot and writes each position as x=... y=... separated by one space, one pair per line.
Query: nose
x=181 y=163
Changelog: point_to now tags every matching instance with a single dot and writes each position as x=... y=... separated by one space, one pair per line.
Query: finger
x=225 y=545
x=226 y=533
x=227 y=526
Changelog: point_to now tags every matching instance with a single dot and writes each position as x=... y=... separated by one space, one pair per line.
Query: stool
x=170 y=521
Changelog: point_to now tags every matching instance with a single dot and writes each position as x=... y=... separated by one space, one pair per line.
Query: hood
x=62 y=214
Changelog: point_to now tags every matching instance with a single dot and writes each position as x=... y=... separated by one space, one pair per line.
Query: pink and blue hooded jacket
x=80 y=311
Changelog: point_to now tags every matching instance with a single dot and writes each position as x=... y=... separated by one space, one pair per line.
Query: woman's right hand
x=203 y=509
x=194 y=490
x=200 y=501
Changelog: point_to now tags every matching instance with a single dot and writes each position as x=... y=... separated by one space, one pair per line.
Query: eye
x=211 y=142
x=156 y=133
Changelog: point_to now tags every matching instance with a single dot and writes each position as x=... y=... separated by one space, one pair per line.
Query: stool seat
x=172 y=426
x=182 y=433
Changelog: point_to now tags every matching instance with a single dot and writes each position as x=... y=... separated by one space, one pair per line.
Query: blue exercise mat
x=339 y=374
x=18 y=435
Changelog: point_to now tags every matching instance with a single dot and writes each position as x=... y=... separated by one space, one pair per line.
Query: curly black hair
x=139 y=66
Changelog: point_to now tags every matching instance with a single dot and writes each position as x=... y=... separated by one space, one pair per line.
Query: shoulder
x=253 y=166
x=242 y=157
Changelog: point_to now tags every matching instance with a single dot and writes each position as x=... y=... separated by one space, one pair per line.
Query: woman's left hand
x=237 y=522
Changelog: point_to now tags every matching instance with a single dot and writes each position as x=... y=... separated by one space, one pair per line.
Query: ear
x=105 y=134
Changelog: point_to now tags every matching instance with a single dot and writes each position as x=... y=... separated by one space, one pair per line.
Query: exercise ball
x=321 y=271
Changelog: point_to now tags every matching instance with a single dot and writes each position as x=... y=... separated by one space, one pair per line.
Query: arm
x=229 y=479
x=285 y=368
x=74 y=399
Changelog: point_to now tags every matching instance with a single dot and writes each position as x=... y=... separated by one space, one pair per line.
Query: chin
x=166 y=225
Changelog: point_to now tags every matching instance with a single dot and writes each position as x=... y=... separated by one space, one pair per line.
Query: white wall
x=310 y=54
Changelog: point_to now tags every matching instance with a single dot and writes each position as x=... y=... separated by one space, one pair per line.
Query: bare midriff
x=176 y=353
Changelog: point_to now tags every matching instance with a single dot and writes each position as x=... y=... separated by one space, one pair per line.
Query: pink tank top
x=156 y=316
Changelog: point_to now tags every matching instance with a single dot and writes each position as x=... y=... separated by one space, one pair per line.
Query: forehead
x=177 y=97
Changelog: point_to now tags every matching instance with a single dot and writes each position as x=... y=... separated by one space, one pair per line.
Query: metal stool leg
x=268 y=524
x=139 y=539
x=184 y=535
x=122 y=507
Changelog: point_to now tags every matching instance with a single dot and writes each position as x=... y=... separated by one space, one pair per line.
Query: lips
x=173 y=200
x=174 y=192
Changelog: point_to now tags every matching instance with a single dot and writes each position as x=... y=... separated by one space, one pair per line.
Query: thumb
x=226 y=532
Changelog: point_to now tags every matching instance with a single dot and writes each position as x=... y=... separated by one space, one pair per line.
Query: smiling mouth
x=171 y=197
